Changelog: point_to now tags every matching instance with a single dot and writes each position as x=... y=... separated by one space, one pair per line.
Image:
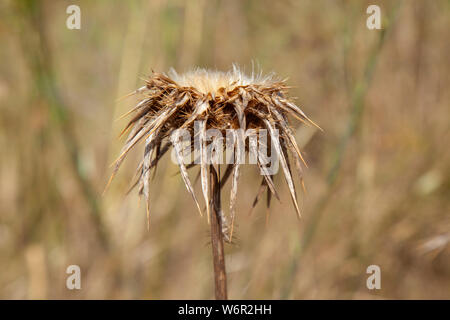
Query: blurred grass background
x=378 y=182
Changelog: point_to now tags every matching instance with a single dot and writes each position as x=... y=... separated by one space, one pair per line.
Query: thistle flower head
x=200 y=100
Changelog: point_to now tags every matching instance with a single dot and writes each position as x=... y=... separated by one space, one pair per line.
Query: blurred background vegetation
x=378 y=183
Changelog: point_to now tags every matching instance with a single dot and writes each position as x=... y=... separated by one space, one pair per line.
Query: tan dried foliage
x=217 y=100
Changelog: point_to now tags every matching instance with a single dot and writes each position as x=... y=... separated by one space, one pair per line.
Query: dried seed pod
x=223 y=101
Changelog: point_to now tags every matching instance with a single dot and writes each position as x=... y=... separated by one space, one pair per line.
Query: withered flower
x=200 y=100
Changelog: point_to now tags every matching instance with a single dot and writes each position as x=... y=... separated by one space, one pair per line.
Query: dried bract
x=200 y=100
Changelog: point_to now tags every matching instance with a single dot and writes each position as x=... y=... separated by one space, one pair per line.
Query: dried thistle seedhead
x=213 y=100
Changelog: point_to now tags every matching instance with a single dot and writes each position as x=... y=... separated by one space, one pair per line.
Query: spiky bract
x=216 y=100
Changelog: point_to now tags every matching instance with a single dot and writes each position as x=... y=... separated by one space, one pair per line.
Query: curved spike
x=149 y=145
x=262 y=186
x=265 y=172
x=284 y=148
x=138 y=106
x=285 y=103
x=203 y=166
x=119 y=161
x=141 y=89
x=149 y=128
x=284 y=165
x=285 y=127
x=153 y=164
x=174 y=138
x=234 y=185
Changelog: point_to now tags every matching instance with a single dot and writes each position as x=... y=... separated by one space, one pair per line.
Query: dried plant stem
x=220 y=276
